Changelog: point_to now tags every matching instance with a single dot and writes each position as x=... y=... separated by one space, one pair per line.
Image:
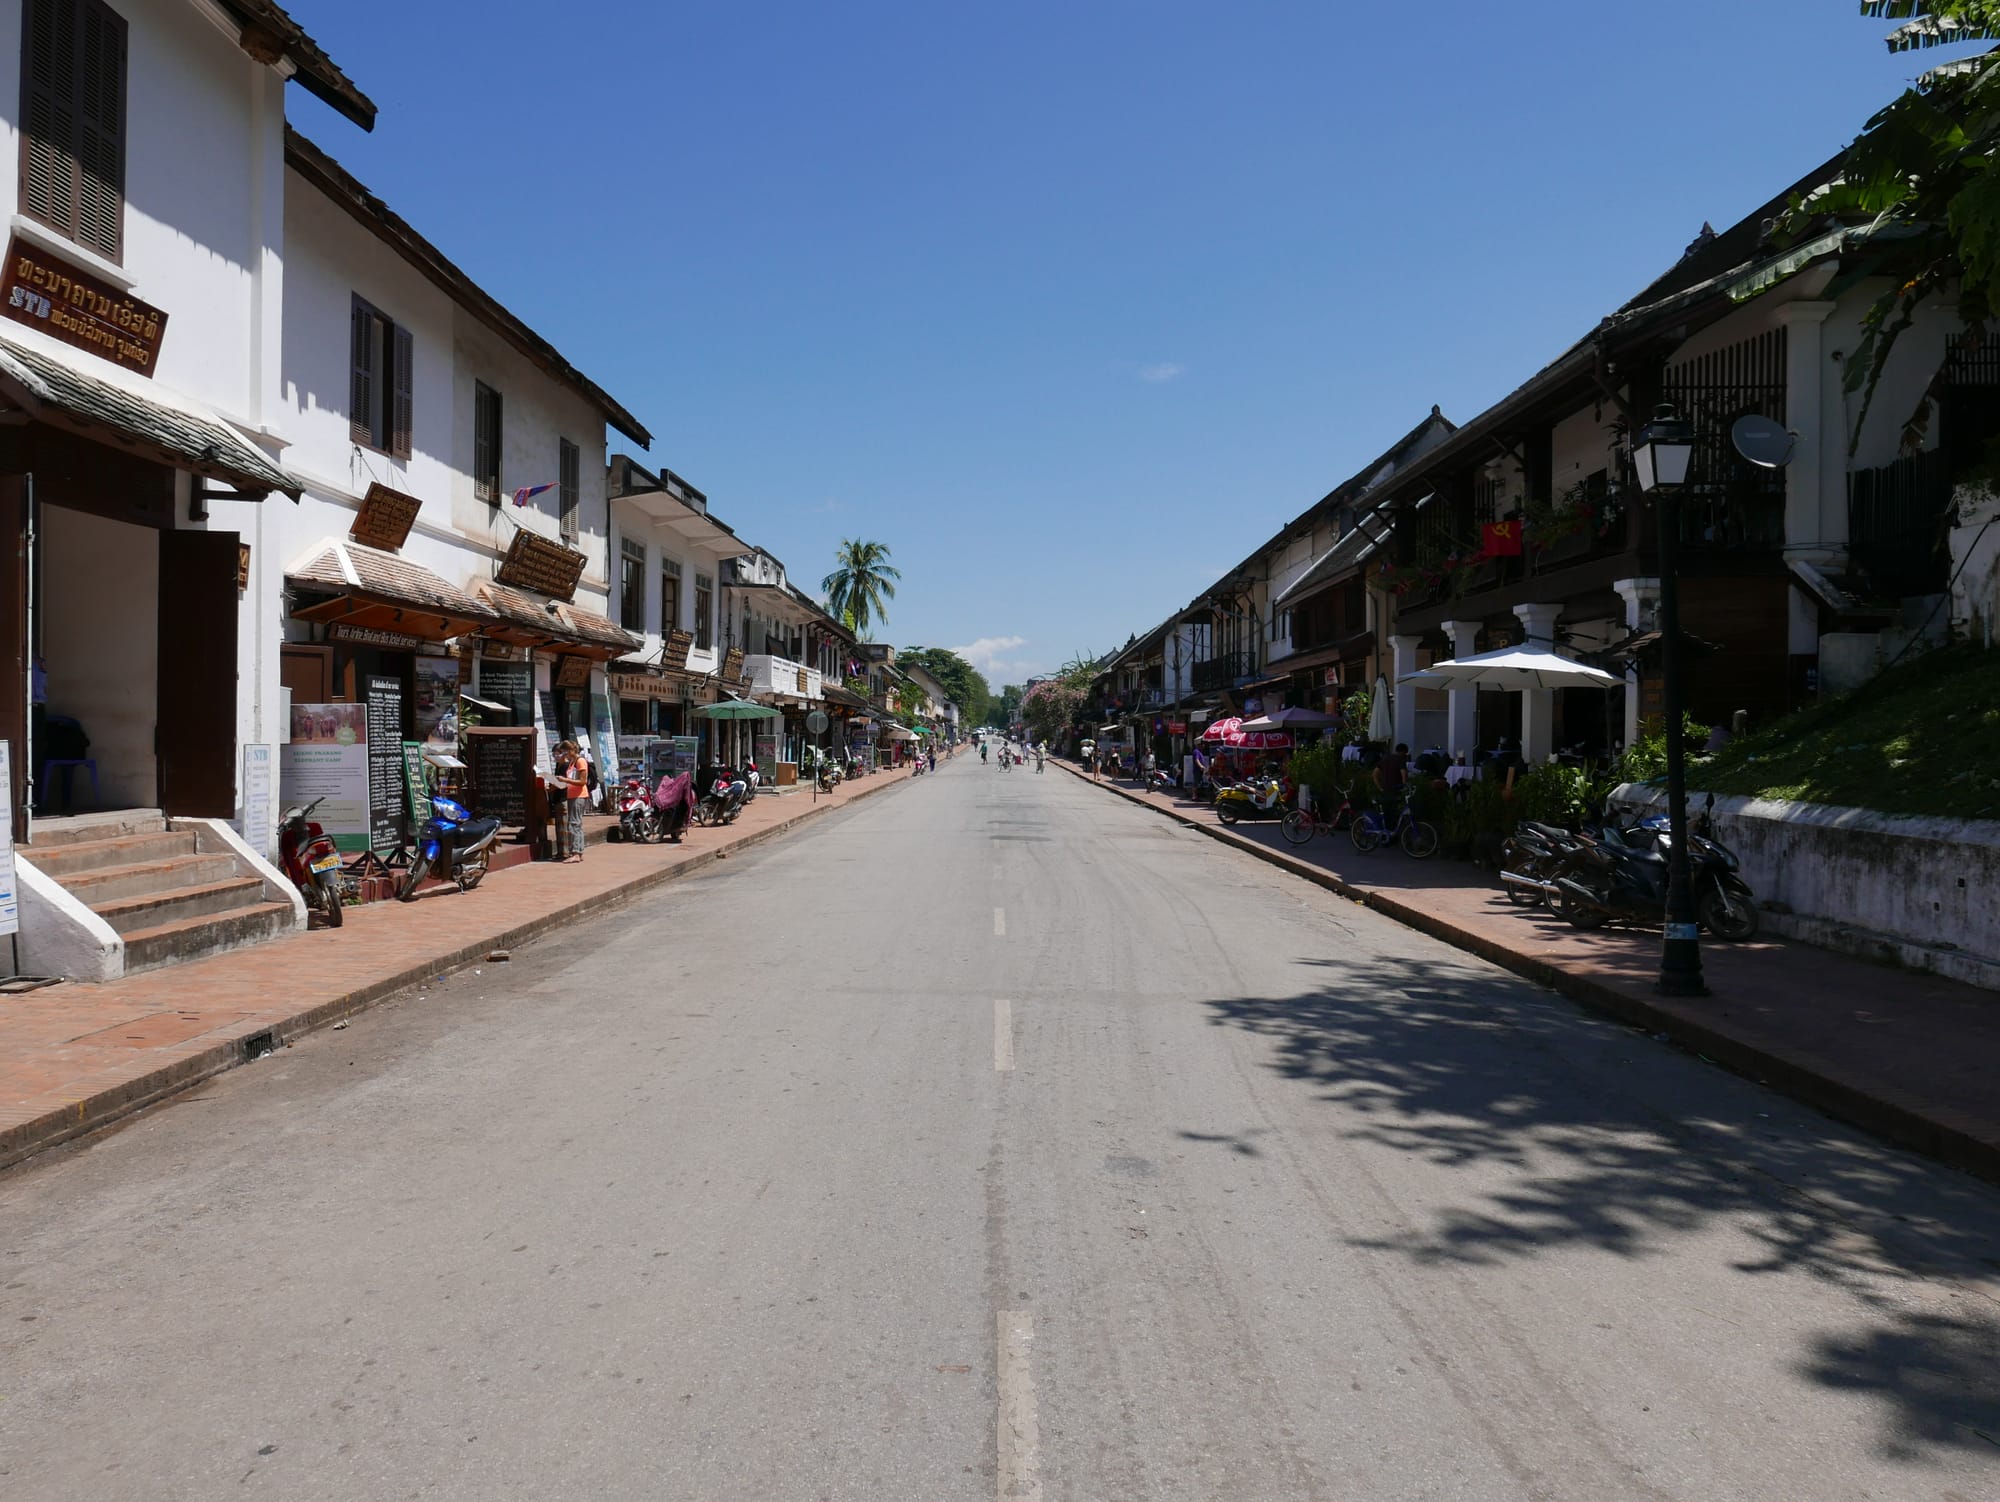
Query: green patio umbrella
x=736 y=709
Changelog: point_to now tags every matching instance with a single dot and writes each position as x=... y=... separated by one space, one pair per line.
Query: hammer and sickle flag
x=1501 y=540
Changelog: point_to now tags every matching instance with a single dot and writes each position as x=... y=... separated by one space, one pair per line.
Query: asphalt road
x=992 y=1139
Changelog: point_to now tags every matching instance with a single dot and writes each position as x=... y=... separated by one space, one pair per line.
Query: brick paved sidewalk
x=76 y=1056
x=1909 y=1056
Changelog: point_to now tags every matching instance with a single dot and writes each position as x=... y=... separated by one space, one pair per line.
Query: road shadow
x=1605 y=1144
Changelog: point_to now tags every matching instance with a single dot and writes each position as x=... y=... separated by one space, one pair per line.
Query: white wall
x=203 y=131
x=100 y=640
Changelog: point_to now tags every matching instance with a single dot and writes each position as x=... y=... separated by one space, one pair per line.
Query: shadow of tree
x=1608 y=1141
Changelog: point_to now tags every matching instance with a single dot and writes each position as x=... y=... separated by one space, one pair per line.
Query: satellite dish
x=1763 y=442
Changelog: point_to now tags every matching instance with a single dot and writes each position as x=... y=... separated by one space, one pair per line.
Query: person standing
x=1392 y=775
x=573 y=777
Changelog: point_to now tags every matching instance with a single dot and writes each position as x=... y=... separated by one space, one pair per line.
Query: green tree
x=861 y=584
x=1917 y=200
x=1006 y=709
x=963 y=683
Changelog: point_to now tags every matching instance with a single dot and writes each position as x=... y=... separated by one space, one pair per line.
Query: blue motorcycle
x=452 y=845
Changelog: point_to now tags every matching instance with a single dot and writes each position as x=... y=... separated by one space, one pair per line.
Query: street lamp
x=1661 y=453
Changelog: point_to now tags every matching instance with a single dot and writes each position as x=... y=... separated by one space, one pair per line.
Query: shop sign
x=802 y=683
x=437 y=701
x=732 y=666
x=1177 y=727
x=511 y=684
x=243 y=565
x=259 y=824
x=386 y=787
x=416 y=785
x=385 y=518
x=546 y=567
x=679 y=643
x=502 y=766
x=502 y=651
x=77 y=308
x=327 y=758
x=369 y=636
x=1331 y=677
x=645 y=686
x=572 y=672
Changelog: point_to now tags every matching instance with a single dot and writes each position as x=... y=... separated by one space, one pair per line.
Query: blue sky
x=1072 y=303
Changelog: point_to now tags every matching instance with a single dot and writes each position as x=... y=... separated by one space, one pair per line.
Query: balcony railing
x=770 y=674
x=1220 y=672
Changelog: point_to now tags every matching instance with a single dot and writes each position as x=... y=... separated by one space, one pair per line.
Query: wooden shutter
x=485 y=443
x=100 y=133
x=568 y=487
x=400 y=418
x=361 y=385
x=49 y=168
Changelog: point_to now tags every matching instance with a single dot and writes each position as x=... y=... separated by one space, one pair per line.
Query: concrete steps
x=169 y=893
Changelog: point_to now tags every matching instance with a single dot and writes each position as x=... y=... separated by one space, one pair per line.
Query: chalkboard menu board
x=385 y=763
x=502 y=763
x=511 y=684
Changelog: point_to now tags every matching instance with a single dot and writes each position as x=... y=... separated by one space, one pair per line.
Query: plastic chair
x=69 y=766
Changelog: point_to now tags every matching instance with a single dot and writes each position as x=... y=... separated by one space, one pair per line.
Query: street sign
x=816 y=722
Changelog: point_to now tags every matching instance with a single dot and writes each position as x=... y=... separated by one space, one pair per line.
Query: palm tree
x=860 y=583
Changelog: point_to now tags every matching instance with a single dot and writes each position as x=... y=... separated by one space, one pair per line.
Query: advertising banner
x=605 y=735
x=327 y=758
x=386 y=792
x=437 y=702
x=260 y=824
x=10 y=900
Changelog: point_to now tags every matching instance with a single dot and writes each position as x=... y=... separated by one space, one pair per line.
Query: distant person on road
x=1088 y=751
x=982 y=752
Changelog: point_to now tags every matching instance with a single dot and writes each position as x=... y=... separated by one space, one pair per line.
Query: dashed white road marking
x=1000 y=920
x=1003 y=1035
x=1020 y=1439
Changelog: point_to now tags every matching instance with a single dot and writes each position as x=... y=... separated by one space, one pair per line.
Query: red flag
x=1501 y=540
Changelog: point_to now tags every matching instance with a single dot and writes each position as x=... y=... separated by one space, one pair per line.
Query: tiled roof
x=339 y=564
x=204 y=444
x=525 y=608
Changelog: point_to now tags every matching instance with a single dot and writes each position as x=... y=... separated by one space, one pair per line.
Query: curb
x=78 y=1118
x=1905 y=1124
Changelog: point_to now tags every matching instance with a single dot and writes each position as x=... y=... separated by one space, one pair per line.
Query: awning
x=175 y=433
x=844 y=698
x=361 y=589
x=534 y=620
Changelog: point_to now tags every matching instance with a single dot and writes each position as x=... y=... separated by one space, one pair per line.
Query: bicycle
x=1418 y=839
x=1301 y=824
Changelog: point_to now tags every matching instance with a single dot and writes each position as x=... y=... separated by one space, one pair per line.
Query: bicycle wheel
x=1419 y=840
x=1298 y=826
x=1365 y=833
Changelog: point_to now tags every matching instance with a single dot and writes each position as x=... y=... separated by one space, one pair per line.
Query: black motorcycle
x=1531 y=859
x=1622 y=874
x=721 y=796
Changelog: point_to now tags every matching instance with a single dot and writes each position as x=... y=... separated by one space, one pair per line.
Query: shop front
x=565 y=650
x=121 y=598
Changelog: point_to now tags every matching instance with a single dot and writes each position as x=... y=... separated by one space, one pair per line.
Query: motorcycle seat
x=1546 y=831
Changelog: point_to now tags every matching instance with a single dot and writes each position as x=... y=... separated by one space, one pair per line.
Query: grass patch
x=1923 y=739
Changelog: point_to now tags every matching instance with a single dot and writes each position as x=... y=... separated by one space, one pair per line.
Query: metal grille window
x=670 y=595
x=632 y=584
x=1729 y=502
x=704 y=609
x=569 y=490
x=379 y=399
x=486 y=443
x=73 y=121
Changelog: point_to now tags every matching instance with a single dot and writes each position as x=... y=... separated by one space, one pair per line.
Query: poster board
x=660 y=761
x=511 y=684
x=386 y=791
x=545 y=731
x=634 y=752
x=10 y=899
x=502 y=764
x=604 y=738
x=766 y=755
x=327 y=759
x=260 y=791
x=416 y=785
x=436 y=702
x=687 y=750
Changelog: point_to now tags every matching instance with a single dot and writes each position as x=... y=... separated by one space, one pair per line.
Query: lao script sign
x=77 y=308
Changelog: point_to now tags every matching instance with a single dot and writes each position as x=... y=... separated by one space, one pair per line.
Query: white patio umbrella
x=1381 y=723
x=1511 y=668
x=1292 y=719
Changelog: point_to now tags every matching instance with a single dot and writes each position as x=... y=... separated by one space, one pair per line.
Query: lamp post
x=1661 y=454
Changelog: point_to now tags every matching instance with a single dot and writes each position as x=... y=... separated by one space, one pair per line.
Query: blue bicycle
x=1418 y=839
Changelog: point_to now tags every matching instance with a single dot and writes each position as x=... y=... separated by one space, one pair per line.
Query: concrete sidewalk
x=1908 y=1056
x=74 y=1057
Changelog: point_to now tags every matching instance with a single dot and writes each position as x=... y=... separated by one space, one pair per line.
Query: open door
x=197 y=709
x=14 y=637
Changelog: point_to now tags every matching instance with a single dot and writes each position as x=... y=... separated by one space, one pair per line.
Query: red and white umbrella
x=1230 y=734
x=1219 y=731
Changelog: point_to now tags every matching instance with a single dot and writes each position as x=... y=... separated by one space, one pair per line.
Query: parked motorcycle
x=452 y=845
x=1531 y=859
x=830 y=775
x=307 y=855
x=638 y=822
x=673 y=806
x=1260 y=798
x=722 y=799
x=1157 y=781
x=1623 y=875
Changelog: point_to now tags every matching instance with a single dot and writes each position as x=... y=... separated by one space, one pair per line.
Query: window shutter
x=49 y=168
x=361 y=384
x=400 y=419
x=100 y=131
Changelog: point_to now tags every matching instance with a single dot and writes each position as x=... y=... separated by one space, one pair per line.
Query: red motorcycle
x=307 y=855
x=637 y=818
